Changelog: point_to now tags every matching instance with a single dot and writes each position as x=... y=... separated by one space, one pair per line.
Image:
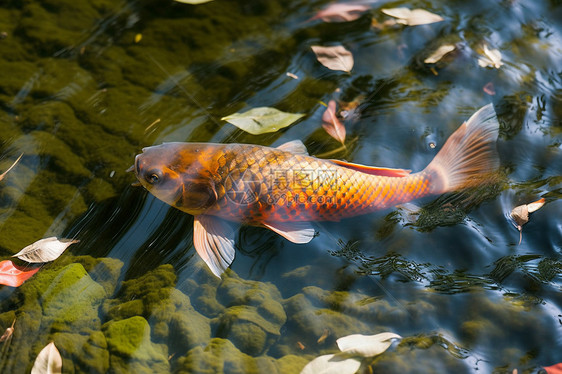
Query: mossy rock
x=221 y=356
x=168 y=311
x=71 y=301
x=254 y=314
x=131 y=348
x=61 y=302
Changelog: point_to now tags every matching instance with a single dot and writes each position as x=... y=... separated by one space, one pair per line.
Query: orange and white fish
x=284 y=189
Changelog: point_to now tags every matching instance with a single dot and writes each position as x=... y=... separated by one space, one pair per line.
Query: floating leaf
x=341 y=12
x=332 y=124
x=334 y=58
x=439 y=53
x=553 y=369
x=261 y=120
x=193 y=2
x=332 y=364
x=13 y=276
x=48 y=361
x=520 y=214
x=492 y=57
x=44 y=250
x=412 y=17
x=10 y=168
x=366 y=345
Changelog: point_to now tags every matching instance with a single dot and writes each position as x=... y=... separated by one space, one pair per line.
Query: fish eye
x=154 y=176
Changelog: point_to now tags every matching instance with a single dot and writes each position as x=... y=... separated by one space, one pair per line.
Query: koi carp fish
x=284 y=189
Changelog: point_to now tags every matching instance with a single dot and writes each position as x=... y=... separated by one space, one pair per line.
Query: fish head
x=178 y=174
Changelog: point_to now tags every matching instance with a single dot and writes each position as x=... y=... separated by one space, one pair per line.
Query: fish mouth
x=136 y=169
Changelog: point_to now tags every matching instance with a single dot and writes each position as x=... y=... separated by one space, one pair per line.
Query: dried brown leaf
x=439 y=53
x=536 y=205
x=44 y=250
x=491 y=57
x=332 y=124
x=8 y=333
x=520 y=214
x=334 y=58
x=341 y=12
x=412 y=17
x=48 y=360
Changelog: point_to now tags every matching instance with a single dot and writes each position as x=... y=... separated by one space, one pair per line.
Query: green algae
x=59 y=303
x=131 y=349
x=221 y=356
x=169 y=312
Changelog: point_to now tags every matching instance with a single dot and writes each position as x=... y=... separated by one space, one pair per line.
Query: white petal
x=366 y=345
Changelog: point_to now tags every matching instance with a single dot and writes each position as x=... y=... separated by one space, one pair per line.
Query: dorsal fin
x=373 y=170
x=294 y=146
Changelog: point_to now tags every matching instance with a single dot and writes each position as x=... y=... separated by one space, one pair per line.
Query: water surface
x=85 y=86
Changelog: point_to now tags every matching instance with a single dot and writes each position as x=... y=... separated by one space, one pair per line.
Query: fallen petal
x=366 y=345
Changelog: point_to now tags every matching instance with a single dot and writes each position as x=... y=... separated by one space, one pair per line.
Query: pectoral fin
x=296 y=232
x=213 y=239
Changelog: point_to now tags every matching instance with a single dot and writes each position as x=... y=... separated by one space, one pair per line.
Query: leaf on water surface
x=12 y=276
x=48 y=360
x=8 y=333
x=334 y=58
x=553 y=369
x=193 y=2
x=412 y=17
x=44 y=250
x=520 y=214
x=262 y=120
x=366 y=345
x=491 y=57
x=332 y=364
x=439 y=53
x=341 y=12
x=332 y=124
x=3 y=175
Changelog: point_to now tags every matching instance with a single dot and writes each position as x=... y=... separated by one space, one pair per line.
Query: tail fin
x=468 y=156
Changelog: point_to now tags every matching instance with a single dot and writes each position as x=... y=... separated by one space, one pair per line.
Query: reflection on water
x=87 y=85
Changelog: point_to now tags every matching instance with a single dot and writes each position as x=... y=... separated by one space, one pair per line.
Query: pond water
x=86 y=85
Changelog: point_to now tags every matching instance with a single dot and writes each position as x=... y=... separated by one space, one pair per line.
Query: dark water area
x=86 y=85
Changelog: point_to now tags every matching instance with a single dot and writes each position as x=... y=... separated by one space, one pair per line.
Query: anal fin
x=213 y=239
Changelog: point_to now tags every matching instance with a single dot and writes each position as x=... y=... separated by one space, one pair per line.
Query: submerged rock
x=131 y=349
x=221 y=356
x=168 y=311
x=61 y=304
x=254 y=314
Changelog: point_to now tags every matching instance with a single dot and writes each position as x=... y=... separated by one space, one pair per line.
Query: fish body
x=284 y=189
